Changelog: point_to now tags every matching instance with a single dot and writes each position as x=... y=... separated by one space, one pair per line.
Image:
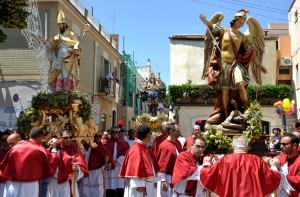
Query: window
x=285 y=71
x=114 y=118
x=265 y=127
x=106 y=67
x=103 y=122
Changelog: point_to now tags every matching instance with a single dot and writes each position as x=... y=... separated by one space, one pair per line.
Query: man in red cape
x=159 y=139
x=34 y=163
x=240 y=174
x=117 y=148
x=96 y=158
x=4 y=149
x=139 y=167
x=189 y=140
x=71 y=167
x=186 y=171
x=289 y=166
x=167 y=154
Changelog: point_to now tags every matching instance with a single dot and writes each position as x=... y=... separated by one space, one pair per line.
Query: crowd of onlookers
x=137 y=162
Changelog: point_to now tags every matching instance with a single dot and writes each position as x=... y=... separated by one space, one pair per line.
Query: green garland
x=254 y=129
x=56 y=100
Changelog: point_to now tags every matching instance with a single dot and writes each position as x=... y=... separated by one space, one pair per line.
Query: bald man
x=13 y=139
x=189 y=141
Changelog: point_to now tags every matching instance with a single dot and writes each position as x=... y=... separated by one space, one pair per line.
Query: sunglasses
x=68 y=138
x=114 y=132
x=98 y=136
x=4 y=140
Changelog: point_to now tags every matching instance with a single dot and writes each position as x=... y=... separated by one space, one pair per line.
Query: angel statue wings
x=228 y=54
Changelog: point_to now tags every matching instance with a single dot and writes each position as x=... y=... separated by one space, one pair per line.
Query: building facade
x=20 y=73
x=187 y=61
x=294 y=27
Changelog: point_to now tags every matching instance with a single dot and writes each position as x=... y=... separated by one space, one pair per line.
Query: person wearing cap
x=34 y=163
x=63 y=51
x=240 y=174
x=236 y=53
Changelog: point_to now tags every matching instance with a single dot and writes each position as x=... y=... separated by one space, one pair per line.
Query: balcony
x=108 y=88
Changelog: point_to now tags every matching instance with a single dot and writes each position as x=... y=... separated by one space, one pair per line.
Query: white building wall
x=186 y=61
x=294 y=25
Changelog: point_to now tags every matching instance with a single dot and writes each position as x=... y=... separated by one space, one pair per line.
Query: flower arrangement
x=153 y=122
x=216 y=140
x=254 y=129
x=52 y=103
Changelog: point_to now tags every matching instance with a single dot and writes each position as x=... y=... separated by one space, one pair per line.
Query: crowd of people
x=117 y=165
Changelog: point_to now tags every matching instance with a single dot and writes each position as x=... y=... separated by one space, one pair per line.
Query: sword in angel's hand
x=215 y=42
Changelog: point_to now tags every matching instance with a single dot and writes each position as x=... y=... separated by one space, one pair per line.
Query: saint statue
x=228 y=54
x=153 y=86
x=63 y=52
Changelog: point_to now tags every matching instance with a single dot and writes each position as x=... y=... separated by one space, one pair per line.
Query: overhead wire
x=254 y=13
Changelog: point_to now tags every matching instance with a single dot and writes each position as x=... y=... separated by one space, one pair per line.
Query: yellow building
x=20 y=73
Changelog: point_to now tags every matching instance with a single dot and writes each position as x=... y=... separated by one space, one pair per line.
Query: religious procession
x=58 y=150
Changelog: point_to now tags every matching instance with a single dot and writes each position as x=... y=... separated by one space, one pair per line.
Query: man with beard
x=289 y=166
x=63 y=51
x=186 y=171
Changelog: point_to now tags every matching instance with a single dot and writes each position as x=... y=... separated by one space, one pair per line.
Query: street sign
x=96 y=113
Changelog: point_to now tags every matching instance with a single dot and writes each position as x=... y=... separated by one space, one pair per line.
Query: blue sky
x=146 y=25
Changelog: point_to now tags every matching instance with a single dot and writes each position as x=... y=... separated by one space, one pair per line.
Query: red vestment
x=97 y=155
x=188 y=142
x=185 y=166
x=167 y=155
x=68 y=155
x=33 y=161
x=155 y=145
x=138 y=162
x=122 y=147
x=239 y=174
x=293 y=176
x=2 y=154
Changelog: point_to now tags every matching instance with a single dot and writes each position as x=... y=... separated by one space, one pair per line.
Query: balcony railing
x=109 y=87
x=89 y=17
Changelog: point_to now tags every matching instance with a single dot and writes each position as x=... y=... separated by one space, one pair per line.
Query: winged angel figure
x=228 y=54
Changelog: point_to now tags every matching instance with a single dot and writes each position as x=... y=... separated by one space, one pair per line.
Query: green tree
x=13 y=14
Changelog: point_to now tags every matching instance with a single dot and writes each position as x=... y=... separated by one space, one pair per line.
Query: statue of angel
x=228 y=54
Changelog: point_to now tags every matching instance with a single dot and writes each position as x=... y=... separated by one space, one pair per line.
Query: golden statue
x=228 y=54
x=63 y=52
